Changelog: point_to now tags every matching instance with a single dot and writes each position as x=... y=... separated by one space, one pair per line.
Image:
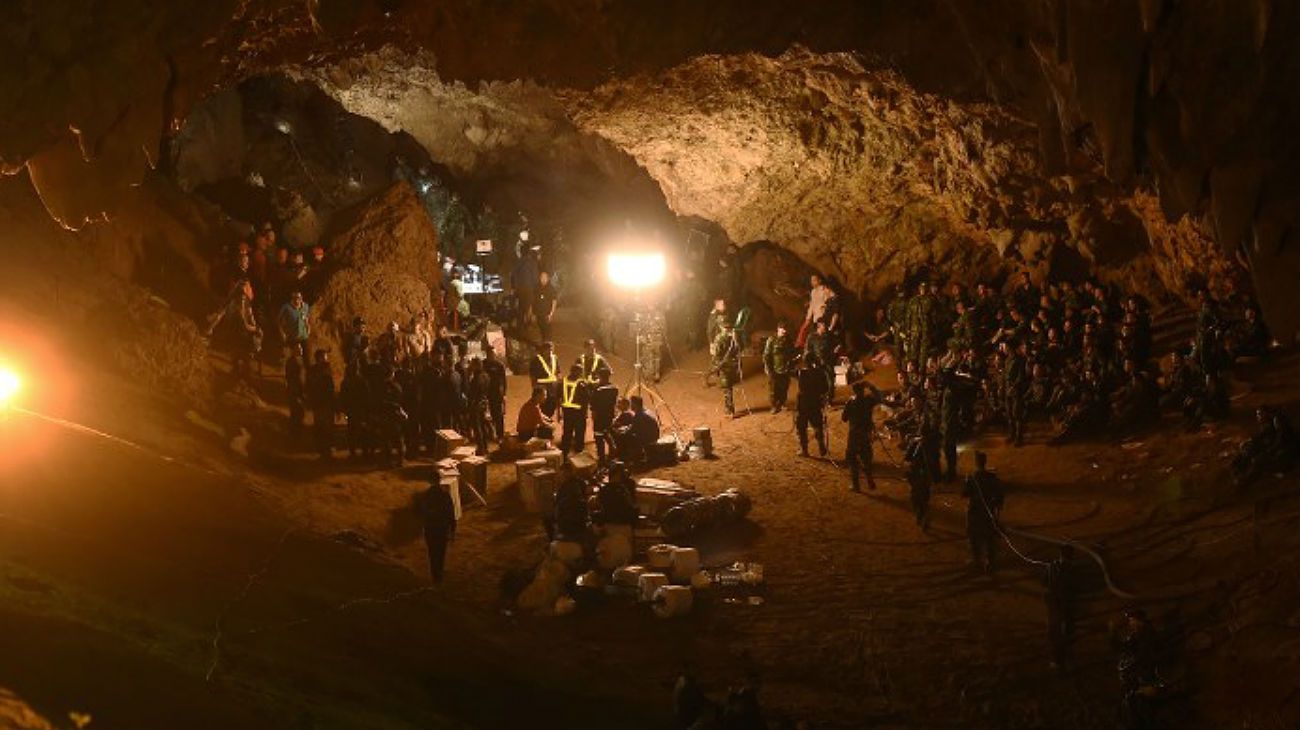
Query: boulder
x=383 y=257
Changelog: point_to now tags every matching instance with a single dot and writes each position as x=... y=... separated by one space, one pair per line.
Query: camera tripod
x=638 y=385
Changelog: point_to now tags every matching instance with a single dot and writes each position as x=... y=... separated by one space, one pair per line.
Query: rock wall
x=871 y=180
x=383 y=267
x=1190 y=101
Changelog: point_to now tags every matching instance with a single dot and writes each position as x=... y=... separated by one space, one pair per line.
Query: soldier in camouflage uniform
x=922 y=313
x=717 y=319
x=778 y=352
x=1015 y=381
x=653 y=334
x=896 y=314
x=726 y=363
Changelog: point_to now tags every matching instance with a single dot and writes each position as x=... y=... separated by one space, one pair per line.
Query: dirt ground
x=117 y=568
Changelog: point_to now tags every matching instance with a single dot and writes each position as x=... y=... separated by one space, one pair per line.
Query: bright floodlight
x=636 y=270
x=10 y=384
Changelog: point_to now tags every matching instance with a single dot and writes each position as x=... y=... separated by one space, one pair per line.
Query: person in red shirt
x=532 y=422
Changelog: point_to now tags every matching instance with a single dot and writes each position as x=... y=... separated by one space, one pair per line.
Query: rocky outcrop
x=383 y=267
x=1191 y=102
x=870 y=180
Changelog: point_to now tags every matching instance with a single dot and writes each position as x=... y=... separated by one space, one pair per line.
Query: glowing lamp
x=636 y=270
x=10 y=384
x=283 y=127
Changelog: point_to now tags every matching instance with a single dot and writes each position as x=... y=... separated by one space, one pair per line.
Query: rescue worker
x=859 y=414
x=810 y=403
x=574 y=399
x=919 y=476
x=592 y=362
x=319 y=393
x=439 y=514
x=726 y=363
x=923 y=312
x=778 y=356
x=1015 y=382
x=496 y=392
x=604 y=399
x=477 y=389
x=984 y=499
x=652 y=334
x=717 y=318
x=544 y=372
x=896 y=314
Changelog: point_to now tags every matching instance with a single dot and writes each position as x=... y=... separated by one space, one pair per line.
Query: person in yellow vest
x=544 y=371
x=592 y=363
x=575 y=394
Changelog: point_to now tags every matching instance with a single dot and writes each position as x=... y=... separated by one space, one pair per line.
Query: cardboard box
x=452 y=484
x=656 y=496
x=534 y=445
x=463 y=452
x=663 y=452
x=526 y=465
x=445 y=441
x=584 y=466
x=554 y=458
x=537 y=490
x=473 y=472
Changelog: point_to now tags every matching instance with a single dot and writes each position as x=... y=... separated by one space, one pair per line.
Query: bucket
x=703 y=439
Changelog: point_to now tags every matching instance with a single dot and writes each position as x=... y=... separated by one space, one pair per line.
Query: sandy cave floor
x=866 y=620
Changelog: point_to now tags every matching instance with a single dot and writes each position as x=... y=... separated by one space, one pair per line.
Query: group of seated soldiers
x=1078 y=357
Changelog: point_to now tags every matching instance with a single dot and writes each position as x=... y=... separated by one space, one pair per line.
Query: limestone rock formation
x=383 y=265
x=869 y=179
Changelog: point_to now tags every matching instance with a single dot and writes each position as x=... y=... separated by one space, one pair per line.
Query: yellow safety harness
x=596 y=360
x=548 y=369
x=570 y=388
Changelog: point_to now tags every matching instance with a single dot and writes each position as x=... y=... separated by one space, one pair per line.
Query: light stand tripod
x=638 y=386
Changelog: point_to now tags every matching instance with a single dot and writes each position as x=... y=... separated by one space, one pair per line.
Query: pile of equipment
x=632 y=561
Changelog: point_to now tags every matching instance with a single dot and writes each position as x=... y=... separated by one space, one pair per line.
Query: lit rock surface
x=384 y=265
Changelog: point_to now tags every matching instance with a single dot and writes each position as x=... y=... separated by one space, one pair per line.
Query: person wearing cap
x=544 y=372
x=859 y=414
x=984 y=498
x=574 y=399
x=356 y=342
x=778 y=356
x=592 y=362
x=726 y=363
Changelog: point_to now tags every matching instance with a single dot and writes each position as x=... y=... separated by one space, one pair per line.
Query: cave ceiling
x=865 y=136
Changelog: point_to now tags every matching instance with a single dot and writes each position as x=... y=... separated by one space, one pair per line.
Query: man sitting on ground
x=637 y=434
